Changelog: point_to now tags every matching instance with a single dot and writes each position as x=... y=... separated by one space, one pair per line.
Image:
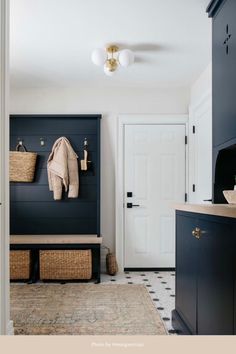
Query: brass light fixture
x=111 y=63
x=111 y=58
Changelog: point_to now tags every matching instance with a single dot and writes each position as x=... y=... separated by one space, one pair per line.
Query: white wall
x=110 y=103
x=201 y=85
x=200 y=143
x=5 y=324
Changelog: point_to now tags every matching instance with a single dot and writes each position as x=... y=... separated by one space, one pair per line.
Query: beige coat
x=62 y=169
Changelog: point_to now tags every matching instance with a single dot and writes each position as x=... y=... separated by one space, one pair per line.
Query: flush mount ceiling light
x=111 y=58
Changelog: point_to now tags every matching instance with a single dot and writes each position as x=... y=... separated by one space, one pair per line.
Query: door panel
x=166 y=233
x=215 y=278
x=186 y=271
x=155 y=173
x=140 y=173
x=167 y=168
x=141 y=229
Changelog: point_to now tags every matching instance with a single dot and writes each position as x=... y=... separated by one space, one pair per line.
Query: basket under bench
x=36 y=244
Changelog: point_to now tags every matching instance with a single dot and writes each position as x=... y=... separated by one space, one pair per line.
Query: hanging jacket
x=62 y=167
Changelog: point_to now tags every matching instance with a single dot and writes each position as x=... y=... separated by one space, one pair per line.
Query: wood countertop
x=226 y=210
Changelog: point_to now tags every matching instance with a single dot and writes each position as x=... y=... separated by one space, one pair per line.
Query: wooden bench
x=35 y=243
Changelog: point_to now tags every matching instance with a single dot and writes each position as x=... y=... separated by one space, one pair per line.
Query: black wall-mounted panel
x=76 y=140
x=52 y=226
x=29 y=210
x=38 y=193
x=33 y=210
x=54 y=125
x=41 y=177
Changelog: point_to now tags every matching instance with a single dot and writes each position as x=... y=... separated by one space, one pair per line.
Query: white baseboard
x=10 y=329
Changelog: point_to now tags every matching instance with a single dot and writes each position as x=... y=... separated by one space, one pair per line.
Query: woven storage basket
x=19 y=265
x=65 y=265
x=111 y=263
x=22 y=165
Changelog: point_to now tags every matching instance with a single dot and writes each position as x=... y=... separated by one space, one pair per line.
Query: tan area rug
x=84 y=309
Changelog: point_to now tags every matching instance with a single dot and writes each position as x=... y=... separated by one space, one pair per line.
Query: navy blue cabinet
x=186 y=276
x=205 y=274
x=223 y=66
x=215 y=278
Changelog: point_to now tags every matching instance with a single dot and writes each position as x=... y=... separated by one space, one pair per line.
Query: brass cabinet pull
x=197 y=233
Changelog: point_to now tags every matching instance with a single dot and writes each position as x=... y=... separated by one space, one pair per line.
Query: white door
x=154 y=162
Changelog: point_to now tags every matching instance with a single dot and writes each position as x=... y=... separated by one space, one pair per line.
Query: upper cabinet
x=224 y=70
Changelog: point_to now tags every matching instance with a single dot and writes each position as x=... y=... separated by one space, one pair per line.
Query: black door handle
x=131 y=205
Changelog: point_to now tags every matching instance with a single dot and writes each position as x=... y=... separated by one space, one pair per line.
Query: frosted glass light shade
x=99 y=56
x=126 y=57
x=107 y=71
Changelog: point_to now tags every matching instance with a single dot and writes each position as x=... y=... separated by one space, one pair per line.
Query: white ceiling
x=51 y=41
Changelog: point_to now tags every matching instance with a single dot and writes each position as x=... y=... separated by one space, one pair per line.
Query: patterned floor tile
x=161 y=288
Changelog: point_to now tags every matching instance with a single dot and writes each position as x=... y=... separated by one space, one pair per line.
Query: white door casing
x=154 y=172
x=165 y=245
x=200 y=149
x=4 y=179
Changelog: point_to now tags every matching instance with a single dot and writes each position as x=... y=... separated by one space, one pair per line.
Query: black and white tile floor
x=161 y=287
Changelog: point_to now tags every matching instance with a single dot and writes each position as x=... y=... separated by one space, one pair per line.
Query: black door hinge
x=186 y=140
x=186 y=197
x=194 y=187
x=194 y=129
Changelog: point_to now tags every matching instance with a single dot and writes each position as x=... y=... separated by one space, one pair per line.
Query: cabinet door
x=186 y=257
x=215 y=278
x=224 y=78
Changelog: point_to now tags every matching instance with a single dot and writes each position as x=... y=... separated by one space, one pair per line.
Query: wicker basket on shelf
x=65 y=264
x=22 y=165
x=19 y=265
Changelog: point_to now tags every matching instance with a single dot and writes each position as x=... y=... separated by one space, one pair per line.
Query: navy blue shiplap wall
x=32 y=208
